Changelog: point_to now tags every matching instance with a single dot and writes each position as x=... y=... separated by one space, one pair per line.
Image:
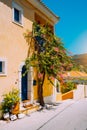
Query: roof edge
x=41 y=6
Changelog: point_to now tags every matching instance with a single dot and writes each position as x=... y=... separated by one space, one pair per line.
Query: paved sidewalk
x=36 y=120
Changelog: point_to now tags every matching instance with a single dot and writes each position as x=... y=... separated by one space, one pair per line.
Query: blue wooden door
x=24 y=85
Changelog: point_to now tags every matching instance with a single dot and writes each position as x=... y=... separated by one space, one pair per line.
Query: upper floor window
x=17 y=13
x=3 y=67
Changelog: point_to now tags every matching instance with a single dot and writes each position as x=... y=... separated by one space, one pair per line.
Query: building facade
x=16 y=16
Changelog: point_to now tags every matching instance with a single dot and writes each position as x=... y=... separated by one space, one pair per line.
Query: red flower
x=56 y=49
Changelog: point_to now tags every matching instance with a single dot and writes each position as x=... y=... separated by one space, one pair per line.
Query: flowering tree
x=47 y=53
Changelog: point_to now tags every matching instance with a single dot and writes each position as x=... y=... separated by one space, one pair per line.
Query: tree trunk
x=40 y=90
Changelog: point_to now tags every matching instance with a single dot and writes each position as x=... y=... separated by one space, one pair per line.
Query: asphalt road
x=72 y=118
x=68 y=115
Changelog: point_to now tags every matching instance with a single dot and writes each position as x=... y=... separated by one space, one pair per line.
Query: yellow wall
x=47 y=88
x=58 y=96
x=13 y=46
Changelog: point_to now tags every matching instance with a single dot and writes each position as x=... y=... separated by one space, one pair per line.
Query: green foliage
x=49 y=55
x=9 y=100
x=68 y=86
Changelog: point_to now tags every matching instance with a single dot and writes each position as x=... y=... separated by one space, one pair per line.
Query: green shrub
x=68 y=86
x=9 y=100
x=1 y=114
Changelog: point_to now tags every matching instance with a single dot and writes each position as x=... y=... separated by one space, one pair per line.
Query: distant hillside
x=81 y=59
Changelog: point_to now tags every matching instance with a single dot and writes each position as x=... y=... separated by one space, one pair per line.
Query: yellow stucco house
x=16 y=16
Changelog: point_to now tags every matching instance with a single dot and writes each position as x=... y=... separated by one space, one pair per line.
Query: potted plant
x=10 y=102
x=1 y=114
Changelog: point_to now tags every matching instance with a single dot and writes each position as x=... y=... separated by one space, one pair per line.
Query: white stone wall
x=79 y=92
x=85 y=90
x=50 y=99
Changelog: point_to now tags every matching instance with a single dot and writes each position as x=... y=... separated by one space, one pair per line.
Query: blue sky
x=72 y=27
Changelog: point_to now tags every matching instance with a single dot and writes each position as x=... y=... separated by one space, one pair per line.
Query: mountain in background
x=81 y=59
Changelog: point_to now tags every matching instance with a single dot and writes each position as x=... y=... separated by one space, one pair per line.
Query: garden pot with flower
x=10 y=102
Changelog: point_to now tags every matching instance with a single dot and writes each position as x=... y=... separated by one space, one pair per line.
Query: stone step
x=29 y=109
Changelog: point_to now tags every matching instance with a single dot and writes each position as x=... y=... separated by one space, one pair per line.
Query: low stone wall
x=85 y=91
x=75 y=94
x=68 y=95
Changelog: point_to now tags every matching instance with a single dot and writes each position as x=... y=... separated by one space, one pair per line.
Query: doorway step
x=27 y=107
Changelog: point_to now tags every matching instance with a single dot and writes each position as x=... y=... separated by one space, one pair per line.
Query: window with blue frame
x=0 y=66
x=3 y=67
x=17 y=13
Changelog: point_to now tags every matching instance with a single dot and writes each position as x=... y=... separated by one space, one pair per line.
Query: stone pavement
x=36 y=120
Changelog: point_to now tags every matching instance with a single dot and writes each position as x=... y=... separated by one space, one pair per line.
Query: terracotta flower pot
x=15 y=109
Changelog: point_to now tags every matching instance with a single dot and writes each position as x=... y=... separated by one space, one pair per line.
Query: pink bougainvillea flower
x=61 y=75
x=63 y=51
x=70 y=65
x=51 y=77
x=56 y=49
x=43 y=35
x=52 y=67
x=40 y=76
